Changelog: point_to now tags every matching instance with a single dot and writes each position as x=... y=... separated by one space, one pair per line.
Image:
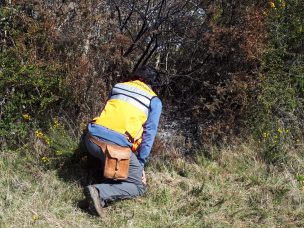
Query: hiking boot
x=92 y=195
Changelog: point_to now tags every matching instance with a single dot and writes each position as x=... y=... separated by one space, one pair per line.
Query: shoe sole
x=92 y=193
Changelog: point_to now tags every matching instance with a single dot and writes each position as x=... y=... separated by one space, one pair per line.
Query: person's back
x=129 y=120
x=127 y=109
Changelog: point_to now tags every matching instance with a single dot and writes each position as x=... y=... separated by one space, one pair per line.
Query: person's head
x=146 y=74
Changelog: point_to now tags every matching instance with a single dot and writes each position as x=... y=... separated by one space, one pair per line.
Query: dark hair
x=146 y=74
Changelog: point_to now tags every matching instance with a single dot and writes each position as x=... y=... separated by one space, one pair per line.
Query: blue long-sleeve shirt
x=149 y=133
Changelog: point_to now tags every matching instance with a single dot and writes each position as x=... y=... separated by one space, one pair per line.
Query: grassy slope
x=236 y=189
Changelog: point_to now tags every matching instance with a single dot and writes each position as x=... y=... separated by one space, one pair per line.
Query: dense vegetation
x=232 y=73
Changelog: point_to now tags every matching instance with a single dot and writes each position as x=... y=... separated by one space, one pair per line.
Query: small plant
x=60 y=144
x=272 y=143
x=300 y=179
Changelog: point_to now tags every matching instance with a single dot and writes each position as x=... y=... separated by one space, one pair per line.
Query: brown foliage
x=216 y=92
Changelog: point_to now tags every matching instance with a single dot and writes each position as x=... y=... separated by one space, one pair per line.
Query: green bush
x=31 y=85
x=279 y=104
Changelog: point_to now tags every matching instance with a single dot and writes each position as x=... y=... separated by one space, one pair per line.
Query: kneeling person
x=128 y=121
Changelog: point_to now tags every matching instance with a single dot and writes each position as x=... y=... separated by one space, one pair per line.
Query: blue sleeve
x=150 y=130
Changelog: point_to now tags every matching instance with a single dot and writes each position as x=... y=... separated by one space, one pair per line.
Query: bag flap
x=120 y=153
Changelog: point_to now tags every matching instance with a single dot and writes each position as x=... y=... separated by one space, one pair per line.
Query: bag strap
x=101 y=144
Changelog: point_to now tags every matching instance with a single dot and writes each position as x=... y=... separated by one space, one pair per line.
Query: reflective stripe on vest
x=132 y=101
x=135 y=96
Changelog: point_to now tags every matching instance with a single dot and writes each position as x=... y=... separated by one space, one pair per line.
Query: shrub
x=280 y=102
x=31 y=83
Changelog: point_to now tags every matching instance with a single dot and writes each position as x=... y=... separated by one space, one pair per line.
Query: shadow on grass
x=83 y=169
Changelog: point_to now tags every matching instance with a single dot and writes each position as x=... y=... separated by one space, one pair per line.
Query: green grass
x=236 y=190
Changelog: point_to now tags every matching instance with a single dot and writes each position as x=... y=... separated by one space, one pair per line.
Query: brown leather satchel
x=117 y=159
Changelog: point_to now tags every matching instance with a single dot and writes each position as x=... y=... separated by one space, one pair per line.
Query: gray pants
x=112 y=190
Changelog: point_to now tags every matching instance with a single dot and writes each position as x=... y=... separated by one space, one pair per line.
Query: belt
x=103 y=145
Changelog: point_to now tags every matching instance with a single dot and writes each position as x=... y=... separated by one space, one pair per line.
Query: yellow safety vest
x=127 y=110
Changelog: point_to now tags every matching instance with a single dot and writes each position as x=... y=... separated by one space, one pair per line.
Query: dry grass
x=235 y=190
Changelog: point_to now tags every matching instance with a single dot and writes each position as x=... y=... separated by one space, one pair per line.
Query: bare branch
x=144 y=53
x=142 y=31
x=152 y=51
